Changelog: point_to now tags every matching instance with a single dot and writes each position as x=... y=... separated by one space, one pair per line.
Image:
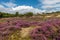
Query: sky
x=35 y=6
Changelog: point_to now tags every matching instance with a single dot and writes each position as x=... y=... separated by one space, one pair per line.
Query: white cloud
x=51 y=5
x=21 y=9
x=50 y=1
x=3 y=9
x=24 y=9
x=1 y=6
x=9 y=4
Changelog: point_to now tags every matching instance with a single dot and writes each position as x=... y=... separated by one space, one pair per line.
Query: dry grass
x=21 y=35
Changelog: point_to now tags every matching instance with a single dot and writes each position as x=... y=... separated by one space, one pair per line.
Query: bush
x=29 y=14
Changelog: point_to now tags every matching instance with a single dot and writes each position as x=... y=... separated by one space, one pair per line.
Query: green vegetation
x=5 y=15
x=28 y=14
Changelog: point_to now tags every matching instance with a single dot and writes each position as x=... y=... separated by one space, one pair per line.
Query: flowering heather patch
x=50 y=30
x=7 y=28
x=42 y=30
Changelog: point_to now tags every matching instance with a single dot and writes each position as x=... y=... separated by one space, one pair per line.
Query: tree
x=29 y=14
x=17 y=14
x=21 y=15
x=1 y=15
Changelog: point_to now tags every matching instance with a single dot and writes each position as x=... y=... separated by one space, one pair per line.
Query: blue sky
x=33 y=3
x=36 y=6
x=23 y=2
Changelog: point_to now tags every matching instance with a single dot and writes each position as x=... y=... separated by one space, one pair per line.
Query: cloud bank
x=12 y=8
x=51 y=5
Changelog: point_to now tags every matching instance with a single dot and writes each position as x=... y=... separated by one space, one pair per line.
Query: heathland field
x=30 y=27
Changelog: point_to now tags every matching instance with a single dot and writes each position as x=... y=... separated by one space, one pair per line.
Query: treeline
x=17 y=14
x=28 y=14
